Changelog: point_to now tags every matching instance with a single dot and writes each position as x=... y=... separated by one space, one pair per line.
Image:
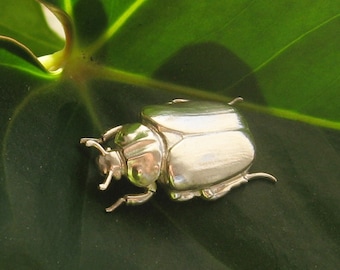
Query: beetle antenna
x=250 y=176
x=235 y=100
x=90 y=143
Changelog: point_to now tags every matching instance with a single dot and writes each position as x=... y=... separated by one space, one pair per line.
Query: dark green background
x=275 y=55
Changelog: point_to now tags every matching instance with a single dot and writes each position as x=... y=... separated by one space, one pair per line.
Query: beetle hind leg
x=250 y=176
x=183 y=195
x=219 y=190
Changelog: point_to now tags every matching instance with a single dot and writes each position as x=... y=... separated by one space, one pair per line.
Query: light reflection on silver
x=192 y=148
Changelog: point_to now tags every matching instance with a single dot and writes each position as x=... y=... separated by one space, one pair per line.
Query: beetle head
x=111 y=161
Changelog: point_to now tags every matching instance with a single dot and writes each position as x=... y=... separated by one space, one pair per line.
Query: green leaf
x=18 y=56
x=23 y=21
x=123 y=55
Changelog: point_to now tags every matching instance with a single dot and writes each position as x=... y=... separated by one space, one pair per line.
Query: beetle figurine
x=191 y=148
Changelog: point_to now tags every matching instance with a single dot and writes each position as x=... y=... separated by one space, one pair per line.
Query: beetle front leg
x=134 y=199
x=106 y=136
x=111 y=133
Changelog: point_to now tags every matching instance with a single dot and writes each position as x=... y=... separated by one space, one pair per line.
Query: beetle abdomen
x=203 y=160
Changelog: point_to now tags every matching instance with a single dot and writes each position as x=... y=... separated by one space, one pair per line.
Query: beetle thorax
x=143 y=151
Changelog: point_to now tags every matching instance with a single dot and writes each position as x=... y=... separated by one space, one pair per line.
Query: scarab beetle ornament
x=191 y=148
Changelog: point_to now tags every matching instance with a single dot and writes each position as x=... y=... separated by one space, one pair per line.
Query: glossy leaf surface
x=124 y=55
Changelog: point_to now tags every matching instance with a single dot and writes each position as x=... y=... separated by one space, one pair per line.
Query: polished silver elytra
x=192 y=148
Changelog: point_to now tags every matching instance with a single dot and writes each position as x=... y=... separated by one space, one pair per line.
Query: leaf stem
x=291 y=115
x=143 y=81
x=85 y=96
x=68 y=7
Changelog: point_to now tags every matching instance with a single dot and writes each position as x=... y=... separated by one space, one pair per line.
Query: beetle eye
x=137 y=172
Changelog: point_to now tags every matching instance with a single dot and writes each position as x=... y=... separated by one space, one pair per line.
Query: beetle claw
x=268 y=176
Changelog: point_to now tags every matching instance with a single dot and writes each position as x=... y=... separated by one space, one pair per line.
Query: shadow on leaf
x=212 y=67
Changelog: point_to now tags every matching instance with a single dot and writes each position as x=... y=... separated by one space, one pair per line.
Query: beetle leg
x=235 y=100
x=115 y=205
x=134 y=199
x=268 y=176
x=84 y=140
x=219 y=190
x=107 y=135
x=88 y=141
x=110 y=133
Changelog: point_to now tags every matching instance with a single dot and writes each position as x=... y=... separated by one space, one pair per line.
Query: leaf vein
x=283 y=49
x=139 y=80
x=115 y=26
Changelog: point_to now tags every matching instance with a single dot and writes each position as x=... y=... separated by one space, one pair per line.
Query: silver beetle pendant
x=191 y=148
